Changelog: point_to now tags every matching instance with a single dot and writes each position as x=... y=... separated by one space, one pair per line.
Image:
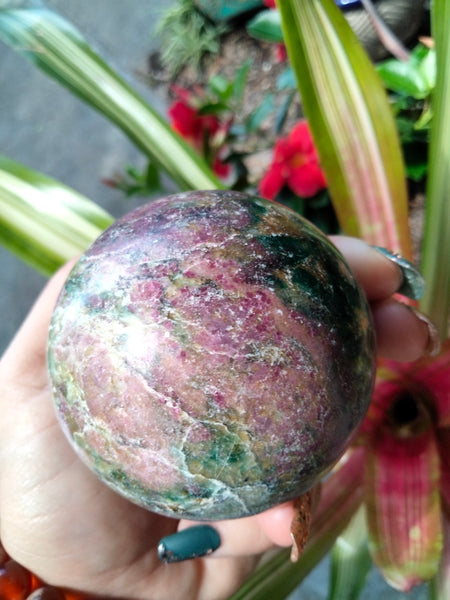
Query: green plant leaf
x=341 y=497
x=351 y=121
x=416 y=158
x=436 y=243
x=266 y=26
x=415 y=77
x=42 y=221
x=261 y=113
x=282 y=113
x=427 y=67
x=286 y=80
x=403 y=78
x=350 y=560
x=240 y=81
x=222 y=87
x=59 y=49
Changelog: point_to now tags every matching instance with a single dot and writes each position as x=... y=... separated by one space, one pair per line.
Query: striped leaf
x=352 y=123
x=436 y=245
x=60 y=50
x=42 y=221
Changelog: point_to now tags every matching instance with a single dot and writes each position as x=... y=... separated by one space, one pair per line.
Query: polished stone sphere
x=211 y=355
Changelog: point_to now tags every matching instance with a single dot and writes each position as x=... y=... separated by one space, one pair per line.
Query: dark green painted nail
x=193 y=542
x=413 y=283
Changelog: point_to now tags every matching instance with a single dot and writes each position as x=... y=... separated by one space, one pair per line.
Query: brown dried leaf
x=301 y=523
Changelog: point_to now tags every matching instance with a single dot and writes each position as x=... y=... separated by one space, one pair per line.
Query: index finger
x=379 y=277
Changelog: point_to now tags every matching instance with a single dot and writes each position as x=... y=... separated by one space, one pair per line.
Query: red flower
x=280 y=49
x=192 y=126
x=400 y=467
x=295 y=164
x=206 y=133
x=280 y=53
x=407 y=472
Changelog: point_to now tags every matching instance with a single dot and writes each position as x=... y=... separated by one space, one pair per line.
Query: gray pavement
x=44 y=127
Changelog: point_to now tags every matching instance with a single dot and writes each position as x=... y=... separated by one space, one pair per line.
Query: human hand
x=58 y=520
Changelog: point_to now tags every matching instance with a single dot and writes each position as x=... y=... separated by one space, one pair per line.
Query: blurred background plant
x=186 y=35
x=411 y=84
x=355 y=167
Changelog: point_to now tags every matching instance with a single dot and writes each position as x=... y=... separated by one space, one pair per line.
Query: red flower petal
x=442 y=581
x=209 y=124
x=388 y=385
x=221 y=169
x=428 y=377
x=443 y=436
x=403 y=507
x=306 y=180
x=272 y=182
x=183 y=119
x=280 y=53
x=182 y=93
x=300 y=138
x=282 y=151
x=433 y=373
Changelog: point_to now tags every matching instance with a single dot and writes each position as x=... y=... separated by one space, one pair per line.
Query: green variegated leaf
x=42 y=221
x=340 y=498
x=266 y=26
x=436 y=244
x=352 y=123
x=59 y=49
x=350 y=560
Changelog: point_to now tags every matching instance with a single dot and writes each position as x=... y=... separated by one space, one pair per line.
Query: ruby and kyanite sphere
x=211 y=355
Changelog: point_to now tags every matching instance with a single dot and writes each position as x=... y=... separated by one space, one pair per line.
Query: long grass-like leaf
x=340 y=499
x=436 y=245
x=42 y=221
x=60 y=50
x=352 y=123
x=350 y=560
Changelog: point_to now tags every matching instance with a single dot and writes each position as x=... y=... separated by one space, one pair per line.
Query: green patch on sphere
x=223 y=457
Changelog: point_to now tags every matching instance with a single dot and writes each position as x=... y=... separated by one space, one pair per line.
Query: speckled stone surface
x=211 y=355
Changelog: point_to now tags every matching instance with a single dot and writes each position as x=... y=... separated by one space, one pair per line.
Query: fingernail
x=434 y=341
x=413 y=283
x=193 y=542
x=47 y=593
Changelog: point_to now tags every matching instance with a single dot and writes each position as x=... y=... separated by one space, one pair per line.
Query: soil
x=236 y=48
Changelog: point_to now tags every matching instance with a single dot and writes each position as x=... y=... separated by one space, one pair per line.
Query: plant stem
x=436 y=245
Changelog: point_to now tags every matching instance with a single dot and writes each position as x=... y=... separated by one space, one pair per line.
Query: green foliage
x=225 y=96
x=42 y=221
x=266 y=26
x=350 y=560
x=137 y=182
x=411 y=85
x=415 y=77
x=436 y=242
x=46 y=223
x=186 y=36
x=261 y=113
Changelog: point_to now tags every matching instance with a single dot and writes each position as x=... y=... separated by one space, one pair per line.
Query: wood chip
x=301 y=523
